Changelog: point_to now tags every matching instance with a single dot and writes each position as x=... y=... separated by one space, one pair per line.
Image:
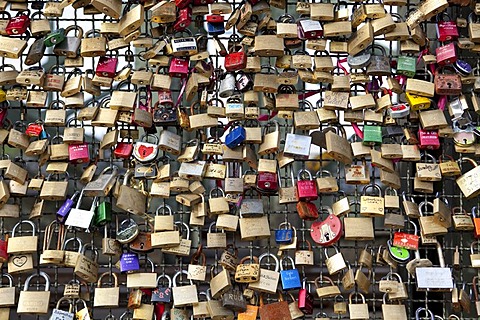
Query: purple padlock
x=66 y=207
x=129 y=262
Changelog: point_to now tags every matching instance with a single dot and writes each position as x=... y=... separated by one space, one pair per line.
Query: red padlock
x=123 y=149
x=235 y=61
x=78 y=153
x=328 y=231
x=447 y=30
x=183 y=20
x=267 y=182
x=178 y=67
x=34 y=129
x=215 y=18
x=107 y=67
x=18 y=24
x=446 y=54
x=428 y=140
x=306 y=189
x=305 y=300
x=3 y=250
x=180 y=4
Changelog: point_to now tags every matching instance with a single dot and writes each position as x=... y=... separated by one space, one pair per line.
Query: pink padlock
x=178 y=67
x=446 y=54
x=78 y=153
x=107 y=67
x=428 y=140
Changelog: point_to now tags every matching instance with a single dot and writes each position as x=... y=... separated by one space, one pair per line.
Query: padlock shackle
x=174 y=280
x=21 y=222
x=427 y=312
x=9 y=277
x=79 y=241
x=38 y=274
x=113 y=274
x=271 y=255
x=166 y=276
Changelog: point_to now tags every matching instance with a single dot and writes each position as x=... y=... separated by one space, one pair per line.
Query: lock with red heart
x=145 y=151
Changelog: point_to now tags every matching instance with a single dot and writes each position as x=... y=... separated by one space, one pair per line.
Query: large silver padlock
x=227 y=86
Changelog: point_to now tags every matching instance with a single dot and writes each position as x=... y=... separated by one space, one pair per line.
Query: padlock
x=428 y=139
x=446 y=30
x=79 y=153
x=184 y=295
x=178 y=67
x=372 y=205
x=18 y=24
x=107 y=297
x=306 y=189
x=162 y=293
x=442 y=274
x=446 y=54
x=467 y=183
x=145 y=152
x=335 y=263
x=107 y=66
x=23 y=244
x=447 y=84
x=235 y=137
x=129 y=262
x=34 y=302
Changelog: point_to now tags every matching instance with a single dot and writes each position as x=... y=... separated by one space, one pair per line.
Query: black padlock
x=36 y=52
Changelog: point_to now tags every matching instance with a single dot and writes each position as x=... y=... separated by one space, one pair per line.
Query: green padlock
x=407 y=65
x=399 y=254
x=372 y=135
x=103 y=214
x=55 y=37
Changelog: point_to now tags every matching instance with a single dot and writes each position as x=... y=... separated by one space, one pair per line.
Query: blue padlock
x=291 y=277
x=284 y=233
x=215 y=24
x=129 y=262
x=235 y=137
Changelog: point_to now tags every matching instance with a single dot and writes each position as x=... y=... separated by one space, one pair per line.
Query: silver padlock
x=192 y=170
x=170 y=142
x=103 y=184
x=227 y=85
x=297 y=145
